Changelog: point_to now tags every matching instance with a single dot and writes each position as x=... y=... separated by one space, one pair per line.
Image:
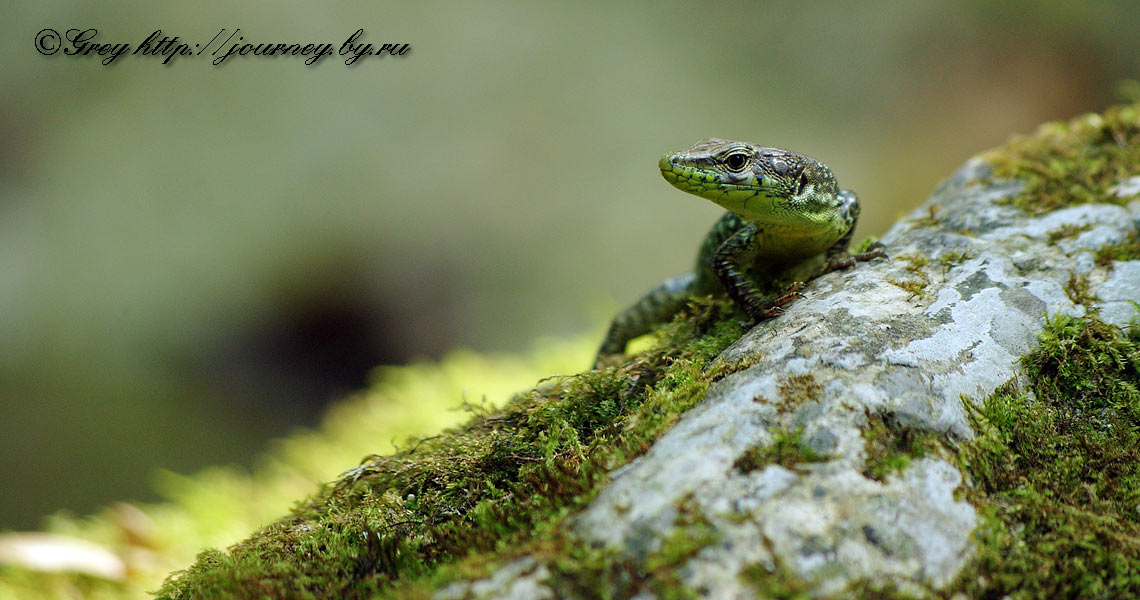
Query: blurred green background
x=194 y=259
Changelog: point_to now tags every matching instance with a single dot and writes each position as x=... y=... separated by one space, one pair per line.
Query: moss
x=1079 y=291
x=865 y=245
x=459 y=503
x=952 y=258
x=891 y=446
x=221 y=505
x=1128 y=249
x=1068 y=230
x=796 y=390
x=1063 y=164
x=787 y=450
x=915 y=264
x=692 y=533
x=915 y=288
x=930 y=219
x=579 y=570
x=779 y=583
x=1056 y=470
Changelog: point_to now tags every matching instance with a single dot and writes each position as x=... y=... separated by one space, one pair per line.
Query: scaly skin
x=787 y=222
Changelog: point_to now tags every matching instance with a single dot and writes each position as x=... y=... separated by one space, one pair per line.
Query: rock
x=905 y=341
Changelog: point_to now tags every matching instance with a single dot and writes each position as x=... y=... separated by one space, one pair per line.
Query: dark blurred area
x=195 y=259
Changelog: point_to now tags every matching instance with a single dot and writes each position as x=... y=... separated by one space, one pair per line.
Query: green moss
x=459 y=503
x=796 y=390
x=930 y=219
x=1056 y=471
x=915 y=265
x=950 y=259
x=779 y=583
x=692 y=533
x=1069 y=230
x=865 y=245
x=580 y=570
x=221 y=505
x=787 y=450
x=1128 y=249
x=891 y=446
x=1079 y=290
x=1077 y=162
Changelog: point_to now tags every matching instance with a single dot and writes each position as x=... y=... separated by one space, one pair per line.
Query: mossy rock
x=960 y=419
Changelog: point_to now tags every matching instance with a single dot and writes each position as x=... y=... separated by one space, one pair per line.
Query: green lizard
x=787 y=222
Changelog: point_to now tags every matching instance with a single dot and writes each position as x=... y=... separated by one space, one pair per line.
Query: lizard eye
x=736 y=161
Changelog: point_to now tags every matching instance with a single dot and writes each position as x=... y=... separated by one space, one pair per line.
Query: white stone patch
x=698 y=452
x=910 y=526
x=1126 y=188
x=1119 y=292
x=947 y=297
x=1038 y=228
x=1053 y=295
x=1092 y=239
x=523 y=579
x=772 y=480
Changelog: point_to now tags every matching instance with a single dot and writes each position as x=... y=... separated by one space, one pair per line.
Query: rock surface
x=977 y=278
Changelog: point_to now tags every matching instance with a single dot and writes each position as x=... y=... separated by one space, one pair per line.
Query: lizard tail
x=658 y=306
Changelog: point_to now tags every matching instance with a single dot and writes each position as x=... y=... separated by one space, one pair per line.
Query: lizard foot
x=844 y=260
x=776 y=307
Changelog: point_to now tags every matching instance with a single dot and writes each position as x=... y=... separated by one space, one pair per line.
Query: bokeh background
x=196 y=259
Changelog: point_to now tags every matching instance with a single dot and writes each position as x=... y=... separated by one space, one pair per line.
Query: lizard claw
x=844 y=260
x=875 y=250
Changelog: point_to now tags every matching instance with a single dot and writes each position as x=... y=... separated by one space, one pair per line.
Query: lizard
x=787 y=222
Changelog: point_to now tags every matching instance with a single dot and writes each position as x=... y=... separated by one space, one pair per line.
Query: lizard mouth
x=697 y=180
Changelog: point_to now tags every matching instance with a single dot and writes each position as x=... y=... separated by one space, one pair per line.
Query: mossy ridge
x=475 y=493
x=1056 y=470
x=1074 y=162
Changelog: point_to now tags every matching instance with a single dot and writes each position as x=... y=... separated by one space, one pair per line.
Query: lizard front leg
x=837 y=256
x=730 y=264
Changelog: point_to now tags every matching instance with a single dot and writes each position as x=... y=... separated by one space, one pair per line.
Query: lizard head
x=755 y=182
